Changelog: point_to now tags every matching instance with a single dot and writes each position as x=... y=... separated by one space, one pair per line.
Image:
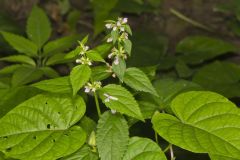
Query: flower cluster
x=116 y=54
x=92 y=87
x=83 y=58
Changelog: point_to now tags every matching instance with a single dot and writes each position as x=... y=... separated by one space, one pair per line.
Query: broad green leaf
x=221 y=77
x=72 y=54
x=94 y=56
x=79 y=76
x=114 y=35
x=88 y=124
x=138 y=80
x=72 y=20
x=222 y=157
x=21 y=44
x=57 y=85
x=167 y=90
x=197 y=49
x=123 y=101
x=205 y=122
x=100 y=73
x=38 y=26
x=127 y=46
x=20 y=59
x=147 y=109
x=12 y=97
x=112 y=136
x=10 y=69
x=60 y=45
x=42 y=128
x=84 y=153
x=119 y=69
x=143 y=149
x=25 y=75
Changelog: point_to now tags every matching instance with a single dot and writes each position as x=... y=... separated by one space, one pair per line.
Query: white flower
x=87 y=89
x=108 y=25
x=114 y=28
x=110 y=39
x=92 y=87
x=85 y=48
x=110 y=55
x=108 y=98
x=122 y=29
x=113 y=111
x=84 y=60
x=125 y=20
x=116 y=60
x=78 y=60
x=118 y=23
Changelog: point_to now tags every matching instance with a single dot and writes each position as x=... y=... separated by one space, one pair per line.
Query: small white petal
x=110 y=55
x=122 y=29
x=125 y=20
x=86 y=48
x=116 y=61
x=113 y=111
x=109 y=39
x=114 y=28
x=78 y=60
x=113 y=98
x=87 y=90
x=107 y=100
x=108 y=26
x=82 y=53
x=118 y=23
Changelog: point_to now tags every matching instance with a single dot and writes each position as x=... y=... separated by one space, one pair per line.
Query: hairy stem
x=171 y=153
x=156 y=137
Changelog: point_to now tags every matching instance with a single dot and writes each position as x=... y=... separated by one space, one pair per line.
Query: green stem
x=171 y=153
x=97 y=104
x=167 y=148
x=193 y=22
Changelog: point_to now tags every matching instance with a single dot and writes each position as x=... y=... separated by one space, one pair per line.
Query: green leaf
x=84 y=153
x=205 y=122
x=143 y=149
x=38 y=26
x=127 y=46
x=60 y=45
x=112 y=136
x=94 y=56
x=42 y=128
x=57 y=85
x=10 y=69
x=125 y=102
x=114 y=35
x=79 y=76
x=167 y=90
x=25 y=75
x=21 y=44
x=128 y=29
x=119 y=69
x=88 y=125
x=103 y=49
x=72 y=19
x=221 y=77
x=58 y=58
x=197 y=49
x=14 y=96
x=147 y=109
x=100 y=73
x=138 y=80
x=49 y=72
x=20 y=59
x=182 y=69
x=102 y=13
x=222 y=157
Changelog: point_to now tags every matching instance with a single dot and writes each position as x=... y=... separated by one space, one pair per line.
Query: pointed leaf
x=42 y=128
x=57 y=85
x=119 y=69
x=60 y=45
x=38 y=26
x=79 y=76
x=112 y=136
x=19 y=59
x=128 y=46
x=138 y=80
x=206 y=122
x=124 y=101
x=21 y=44
x=143 y=148
x=100 y=73
x=84 y=153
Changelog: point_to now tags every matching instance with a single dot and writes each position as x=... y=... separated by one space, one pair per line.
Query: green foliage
x=112 y=136
x=205 y=122
x=44 y=128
